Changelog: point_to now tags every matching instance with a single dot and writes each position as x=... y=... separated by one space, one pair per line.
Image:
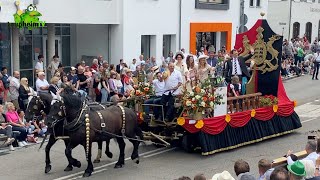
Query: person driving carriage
x=173 y=81
x=158 y=85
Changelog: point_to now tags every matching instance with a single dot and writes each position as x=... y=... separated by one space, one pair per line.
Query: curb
x=6 y=150
x=289 y=78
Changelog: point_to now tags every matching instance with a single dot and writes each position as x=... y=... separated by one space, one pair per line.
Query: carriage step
x=62 y=137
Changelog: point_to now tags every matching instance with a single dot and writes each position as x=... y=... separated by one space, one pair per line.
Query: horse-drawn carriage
x=205 y=118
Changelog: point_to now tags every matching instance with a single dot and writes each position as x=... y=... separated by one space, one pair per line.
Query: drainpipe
x=180 y=16
x=241 y=29
x=290 y=14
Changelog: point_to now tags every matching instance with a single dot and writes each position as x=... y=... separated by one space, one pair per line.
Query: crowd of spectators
x=303 y=169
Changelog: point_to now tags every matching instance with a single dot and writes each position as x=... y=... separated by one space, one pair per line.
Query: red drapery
x=216 y=125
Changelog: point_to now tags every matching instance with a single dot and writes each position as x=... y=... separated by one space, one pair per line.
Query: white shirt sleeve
x=180 y=78
x=289 y=160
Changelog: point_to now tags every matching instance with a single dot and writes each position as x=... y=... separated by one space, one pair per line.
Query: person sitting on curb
x=6 y=129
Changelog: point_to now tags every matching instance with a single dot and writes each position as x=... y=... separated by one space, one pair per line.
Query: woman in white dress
x=181 y=67
x=191 y=74
x=204 y=69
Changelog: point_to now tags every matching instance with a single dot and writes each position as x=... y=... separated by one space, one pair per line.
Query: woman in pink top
x=17 y=125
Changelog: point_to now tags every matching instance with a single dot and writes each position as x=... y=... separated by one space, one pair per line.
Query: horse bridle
x=37 y=106
x=62 y=113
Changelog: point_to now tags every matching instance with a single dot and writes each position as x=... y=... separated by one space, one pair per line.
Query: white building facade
x=119 y=29
x=295 y=18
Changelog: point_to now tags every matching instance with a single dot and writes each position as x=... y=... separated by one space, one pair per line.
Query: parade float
x=264 y=112
x=209 y=121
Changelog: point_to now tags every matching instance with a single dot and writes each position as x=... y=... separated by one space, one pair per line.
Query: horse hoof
x=68 y=168
x=96 y=161
x=109 y=154
x=86 y=174
x=117 y=166
x=47 y=169
x=137 y=161
x=77 y=164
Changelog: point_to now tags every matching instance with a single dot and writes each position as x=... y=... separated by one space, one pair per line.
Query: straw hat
x=202 y=57
x=225 y=175
x=179 y=53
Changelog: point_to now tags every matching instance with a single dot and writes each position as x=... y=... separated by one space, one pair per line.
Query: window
x=5 y=46
x=212 y=4
x=258 y=4
x=309 y=31
x=296 y=30
x=145 y=45
x=251 y=3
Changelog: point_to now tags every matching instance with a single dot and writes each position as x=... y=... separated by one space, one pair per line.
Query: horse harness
x=80 y=121
x=103 y=124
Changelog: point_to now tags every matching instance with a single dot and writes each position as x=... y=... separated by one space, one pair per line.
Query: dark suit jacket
x=243 y=67
x=118 y=68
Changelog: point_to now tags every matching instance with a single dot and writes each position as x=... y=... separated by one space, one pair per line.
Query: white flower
x=198 y=97
x=146 y=84
x=203 y=91
x=193 y=99
x=203 y=104
x=191 y=93
x=188 y=103
x=211 y=104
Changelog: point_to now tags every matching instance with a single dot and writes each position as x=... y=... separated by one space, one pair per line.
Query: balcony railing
x=243 y=102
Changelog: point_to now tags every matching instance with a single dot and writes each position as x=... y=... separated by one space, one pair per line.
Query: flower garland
x=268 y=100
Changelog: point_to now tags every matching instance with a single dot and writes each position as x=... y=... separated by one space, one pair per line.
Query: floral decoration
x=268 y=100
x=142 y=89
x=201 y=98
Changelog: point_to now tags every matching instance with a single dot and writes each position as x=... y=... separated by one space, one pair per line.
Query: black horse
x=86 y=126
x=39 y=105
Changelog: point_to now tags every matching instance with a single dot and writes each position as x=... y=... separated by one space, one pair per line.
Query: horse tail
x=138 y=132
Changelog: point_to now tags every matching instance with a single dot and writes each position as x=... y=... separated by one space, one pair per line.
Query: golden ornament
x=228 y=118
x=253 y=113
x=199 y=124
x=275 y=108
x=181 y=121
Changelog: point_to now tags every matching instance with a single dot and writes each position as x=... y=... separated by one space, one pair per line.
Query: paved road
x=170 y=163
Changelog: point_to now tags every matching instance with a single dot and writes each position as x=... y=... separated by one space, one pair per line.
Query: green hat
x=297 y=168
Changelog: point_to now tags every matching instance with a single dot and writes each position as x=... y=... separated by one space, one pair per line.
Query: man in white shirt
x=39 y=65
x=42 y=84
x=140 y=60
x=158 y=85
x=311 y=148
x=133 y=65
x=316 y=65
x=171 y=89
x=14 y=88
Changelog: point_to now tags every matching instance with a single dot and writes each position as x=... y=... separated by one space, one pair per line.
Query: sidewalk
x=5 y=150
x=293 y=77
